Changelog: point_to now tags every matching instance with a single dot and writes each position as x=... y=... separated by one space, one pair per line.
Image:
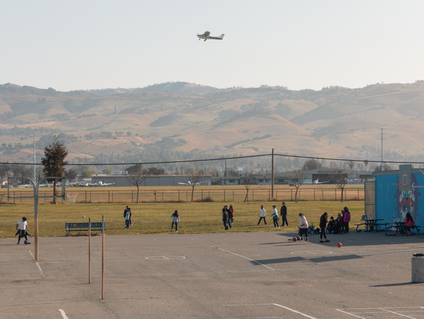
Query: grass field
x=217 y=193
x=154 y=218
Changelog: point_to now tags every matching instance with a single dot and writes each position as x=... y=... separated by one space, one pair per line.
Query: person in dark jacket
x=283 y=213
x=226 y=217
x=330 y=226
x=322 y=225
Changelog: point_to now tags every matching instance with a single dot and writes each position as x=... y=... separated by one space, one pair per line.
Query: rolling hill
x=183 y=118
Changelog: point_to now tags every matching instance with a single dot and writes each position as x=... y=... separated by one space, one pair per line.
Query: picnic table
x=399 y=229
x=370 y=225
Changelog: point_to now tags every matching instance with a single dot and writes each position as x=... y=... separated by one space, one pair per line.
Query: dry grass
x=155 y=218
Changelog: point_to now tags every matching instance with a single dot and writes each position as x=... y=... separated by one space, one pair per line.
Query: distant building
x=151 y=180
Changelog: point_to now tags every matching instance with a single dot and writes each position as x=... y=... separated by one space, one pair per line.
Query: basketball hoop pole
x=36 y=185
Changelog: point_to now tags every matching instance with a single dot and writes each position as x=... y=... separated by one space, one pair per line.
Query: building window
x=232 y=181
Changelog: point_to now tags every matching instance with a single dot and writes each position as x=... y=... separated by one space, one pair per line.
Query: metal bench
x=83 y=227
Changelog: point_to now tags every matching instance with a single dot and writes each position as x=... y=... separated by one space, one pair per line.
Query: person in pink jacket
x=409 y=222
x=346 y=220
x=303 y=226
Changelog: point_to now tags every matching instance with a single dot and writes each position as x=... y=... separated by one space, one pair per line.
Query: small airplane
x=101 y=184
x=188 y=183
x=206 y=36
x=318 y=182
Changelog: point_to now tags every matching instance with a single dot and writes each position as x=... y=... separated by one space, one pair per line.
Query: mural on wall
x=407 y=200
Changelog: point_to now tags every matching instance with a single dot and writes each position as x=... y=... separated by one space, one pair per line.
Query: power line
x=229 y=158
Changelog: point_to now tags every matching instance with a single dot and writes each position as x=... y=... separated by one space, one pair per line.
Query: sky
x=298 y=44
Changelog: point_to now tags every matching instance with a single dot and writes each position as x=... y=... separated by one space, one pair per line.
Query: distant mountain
x=182 y=118
x=169 y=87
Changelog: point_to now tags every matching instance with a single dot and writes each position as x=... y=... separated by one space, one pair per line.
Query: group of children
x=326 y=226
x=275 y=216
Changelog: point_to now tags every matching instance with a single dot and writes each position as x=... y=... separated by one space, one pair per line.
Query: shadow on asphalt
x=399 y=284
x=314 y=260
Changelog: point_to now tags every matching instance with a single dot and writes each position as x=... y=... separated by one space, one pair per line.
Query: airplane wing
x=206 y=34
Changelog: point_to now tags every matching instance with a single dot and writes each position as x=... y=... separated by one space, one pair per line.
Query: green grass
x=155 y=218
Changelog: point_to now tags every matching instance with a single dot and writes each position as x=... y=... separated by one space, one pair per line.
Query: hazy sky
x=71 y=45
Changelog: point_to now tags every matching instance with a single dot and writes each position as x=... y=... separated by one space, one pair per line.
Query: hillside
x=177 y=120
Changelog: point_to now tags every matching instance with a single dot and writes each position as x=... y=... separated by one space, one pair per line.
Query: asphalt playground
x=223 y=275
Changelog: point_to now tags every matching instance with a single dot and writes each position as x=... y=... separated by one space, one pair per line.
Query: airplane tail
x=221 y=36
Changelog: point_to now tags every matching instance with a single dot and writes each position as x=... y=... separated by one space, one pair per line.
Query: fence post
x=202 y=194
x=155 y=196
x=335 y=194
x=358 y=193
x=224 y=194
x=178 y=195
x=269 y=195
x=162 y=196
x=86 y=197
x=132 y=196
x=233 y=195
x=322 y=195
x=291 y=194
x=314 y=194
x=253 y=194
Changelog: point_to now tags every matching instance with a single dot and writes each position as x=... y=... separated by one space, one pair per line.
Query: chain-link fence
x=204 y=194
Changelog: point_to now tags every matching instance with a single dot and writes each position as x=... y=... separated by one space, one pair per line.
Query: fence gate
x=369 y=199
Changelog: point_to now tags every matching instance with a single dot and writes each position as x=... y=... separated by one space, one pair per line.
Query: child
x=22 y=228
x=322 y=224
x=303 y=226
x=175 y=220
x=275 y=217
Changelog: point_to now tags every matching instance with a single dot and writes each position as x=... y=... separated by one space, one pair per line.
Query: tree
x=247 y=183
x=154 y=171
x=311 y=164
x=296 y=179
x=351 y=164
x=54 y=161
x=72 y=174
x=137 y=177
x=386 y=167
x=339 y=178
x=194 y=179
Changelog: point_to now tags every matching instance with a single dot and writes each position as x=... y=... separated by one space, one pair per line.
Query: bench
x=83 y=227
x=370 y=226
x=400 y=230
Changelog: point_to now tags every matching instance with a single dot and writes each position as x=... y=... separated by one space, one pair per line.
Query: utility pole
x=382 y=168
x=35 y=173
x=272 y=173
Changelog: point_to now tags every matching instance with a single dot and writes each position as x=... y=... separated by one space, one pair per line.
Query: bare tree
x=338 y=176
x=137 y=178
x=296 y=179
x=194 y=180
x=247 y=184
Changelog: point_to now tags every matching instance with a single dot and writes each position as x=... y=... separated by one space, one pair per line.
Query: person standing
x=346 y=220
x=128 y=218
x=275 y=217
x=175 y=220
x=125 y=215
x=323 y=225
x=22 y=228
x=409 y=222
x=262 y=215
x=232 y=214
x=283 y=212
x=226 y=217
x=303 y=226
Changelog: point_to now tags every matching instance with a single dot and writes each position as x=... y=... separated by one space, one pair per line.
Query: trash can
x=417 y=267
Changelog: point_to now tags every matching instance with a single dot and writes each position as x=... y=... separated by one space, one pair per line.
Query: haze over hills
x=179 y=120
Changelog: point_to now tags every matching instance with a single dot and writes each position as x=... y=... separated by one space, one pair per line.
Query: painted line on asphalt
x=295 y=311
x=396 y=313
x=350 y=314
x=37 y=264
x=273 y=304
x=259 y=263
x=63 y=314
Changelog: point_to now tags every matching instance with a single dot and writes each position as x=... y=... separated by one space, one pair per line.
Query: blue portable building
x=397 y=189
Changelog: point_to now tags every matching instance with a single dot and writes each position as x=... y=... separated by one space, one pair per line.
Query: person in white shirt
x=262 y=215
x=303 y=226
x=22 y=228
x=175 y=220
x=275 y=217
